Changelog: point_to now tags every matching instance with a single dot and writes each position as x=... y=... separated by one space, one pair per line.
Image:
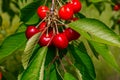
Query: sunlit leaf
x=97 y=31
x=68 y=76
x=30 y=46
x=35 y=70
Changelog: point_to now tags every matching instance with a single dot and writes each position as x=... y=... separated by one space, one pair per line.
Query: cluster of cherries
x=52 y=20
x=117 y=7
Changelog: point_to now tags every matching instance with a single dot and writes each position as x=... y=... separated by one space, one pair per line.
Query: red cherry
x=42 y=26
x=42 y=11
x=30 y=31
x=65 y=12
x=76 y=5
x=116 y=7
x=45 y=39
x=60 y=41
x=71 y=34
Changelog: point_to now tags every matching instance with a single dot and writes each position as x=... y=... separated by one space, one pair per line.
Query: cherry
x=30 y=31
x=42 y=11
x=71 y=34
x=116 y=7
x=76 y=5
x=60 y=41
x=42 y=26
x=65 y=12
x=45 y=39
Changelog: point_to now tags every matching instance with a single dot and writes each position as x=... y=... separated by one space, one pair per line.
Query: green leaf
x=68 y=76
x=33 y=20
x=50 y=55
x=35 y=70
x=28 y=13
x=30 y=46
x=58 y=71
x=53 y=75
x=104 y=51
x=11 y=44
x=22 y=28
x=79 y=75
x=94 y=1
x=79 y=15
x=96 y=54
x=97 y=31
x=86 y=66
x=72 y=69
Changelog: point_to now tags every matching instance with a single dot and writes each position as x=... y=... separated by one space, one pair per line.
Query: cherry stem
x=57 y=54
x=56 y=27
x=68 y=60
x=50 y=41
x=61 y=22
x=59 y=3
x=56 y=57
x=52 y=7
x=45 y=2
x=63 y=67
x=41 y=22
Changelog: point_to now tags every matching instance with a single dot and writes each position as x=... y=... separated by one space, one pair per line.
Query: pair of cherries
x=65 y=12
x=59 y=40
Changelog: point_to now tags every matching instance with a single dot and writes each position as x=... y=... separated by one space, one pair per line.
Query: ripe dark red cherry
x=42 y=26
x=42 y=11
x=116 y=7
x=71 y=34
x=60 y=41
x=45 y=39
x=30 y=31
x=65 y=12
x=76 y=5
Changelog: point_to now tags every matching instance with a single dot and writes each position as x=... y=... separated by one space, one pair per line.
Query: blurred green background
x=103 y=11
